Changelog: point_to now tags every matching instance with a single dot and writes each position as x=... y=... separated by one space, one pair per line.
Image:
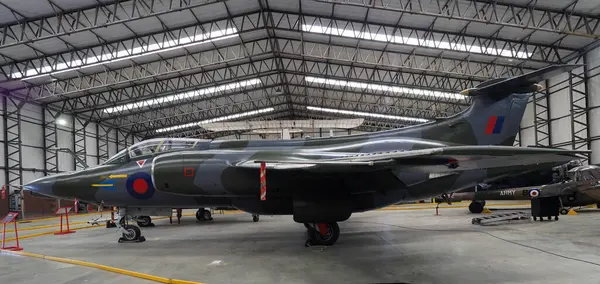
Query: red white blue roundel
x=534 y=192
x=139 y=185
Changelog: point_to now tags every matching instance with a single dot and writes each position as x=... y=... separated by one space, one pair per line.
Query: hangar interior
x=82 y=80
x=94 y=77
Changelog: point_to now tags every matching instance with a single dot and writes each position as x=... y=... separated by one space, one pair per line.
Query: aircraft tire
x=133 y=233
x=476 y=207
x=144 y=221
x=255 y=218
x=207 y=215
x=329 y=239
x=564 y=211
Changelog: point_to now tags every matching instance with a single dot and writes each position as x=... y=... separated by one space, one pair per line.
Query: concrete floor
x=379 y=246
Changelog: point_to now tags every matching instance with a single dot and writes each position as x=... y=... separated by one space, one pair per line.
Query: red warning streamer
x=263 y=181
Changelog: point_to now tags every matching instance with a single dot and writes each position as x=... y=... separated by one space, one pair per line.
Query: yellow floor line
x=445 y=207
x=51 y=232
x=433 y=204
x=43 y=227
x=58 y=217
x=73 y=228
x=103 y=267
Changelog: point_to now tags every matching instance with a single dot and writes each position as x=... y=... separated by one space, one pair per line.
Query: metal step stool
x=521 y=215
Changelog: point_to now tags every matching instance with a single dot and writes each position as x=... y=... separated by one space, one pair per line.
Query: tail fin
x=495 y=115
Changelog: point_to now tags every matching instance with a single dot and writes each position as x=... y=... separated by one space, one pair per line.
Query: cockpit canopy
x=584 y=173
x=154 y=146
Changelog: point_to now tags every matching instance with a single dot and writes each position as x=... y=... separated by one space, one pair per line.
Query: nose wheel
x=324 y=234
x=130 y=233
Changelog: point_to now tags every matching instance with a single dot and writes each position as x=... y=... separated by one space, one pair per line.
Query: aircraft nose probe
x=41 y=186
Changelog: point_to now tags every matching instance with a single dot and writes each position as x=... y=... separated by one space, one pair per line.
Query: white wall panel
x=32 y=158
x=593 y=61
x=527 y=125
x=2 y=164
x=91 y=144
x=29 y=112
x=529 y=115
x=527 y=136
x=112 y=145
x=65 y=140
x=2 y=178
x=31 y=134
x=560 y=109
x=29 y=176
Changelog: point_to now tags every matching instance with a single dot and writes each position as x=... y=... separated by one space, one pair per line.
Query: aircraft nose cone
x=42 y=186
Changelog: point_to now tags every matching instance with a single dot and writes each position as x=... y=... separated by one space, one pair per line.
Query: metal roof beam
x=111 y=79
x=281 y=112
x=146 y=120
x=128 y=48
x=160 y=89
x=428 y=38
x=168 y=86
x=201 y=61
x=491 y=12
x=215 y=111
x=391 y=76
x=425 y=107
x=90 y=18
x=370 y=124
x=411 y=62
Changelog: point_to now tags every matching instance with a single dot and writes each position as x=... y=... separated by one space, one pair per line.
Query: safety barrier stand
x=10 y=217
x=64 y=211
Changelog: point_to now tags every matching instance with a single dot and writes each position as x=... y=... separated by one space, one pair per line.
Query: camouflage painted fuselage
x=209 y=173
x=215 y=180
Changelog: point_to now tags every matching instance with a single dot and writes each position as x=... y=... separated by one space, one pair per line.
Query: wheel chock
x=486 y=211
x=572 y=212
x=138 y=240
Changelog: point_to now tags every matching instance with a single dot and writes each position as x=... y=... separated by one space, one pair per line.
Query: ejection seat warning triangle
x=141 y=163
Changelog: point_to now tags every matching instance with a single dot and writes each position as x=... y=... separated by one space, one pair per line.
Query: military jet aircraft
x=582 y=188
x=320 y=181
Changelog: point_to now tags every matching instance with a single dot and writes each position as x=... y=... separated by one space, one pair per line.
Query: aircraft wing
x=441 y=159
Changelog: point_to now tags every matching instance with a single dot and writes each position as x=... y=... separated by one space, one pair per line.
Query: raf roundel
x=139 y=185
x=534 y=192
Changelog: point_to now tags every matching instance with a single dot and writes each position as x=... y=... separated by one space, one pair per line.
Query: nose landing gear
x=324 y=234
x=131 y=233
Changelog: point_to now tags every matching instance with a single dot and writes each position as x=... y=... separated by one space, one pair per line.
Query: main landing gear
x=144 y=221
x=203 y=215
x=131 y=233
x=324 y=234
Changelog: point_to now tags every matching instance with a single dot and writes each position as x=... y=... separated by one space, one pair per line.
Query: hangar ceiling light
x=221 y=118
x=415 y=41
x=186 y=95
x=110 y=57
x=368 y=114
x=383 y=88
